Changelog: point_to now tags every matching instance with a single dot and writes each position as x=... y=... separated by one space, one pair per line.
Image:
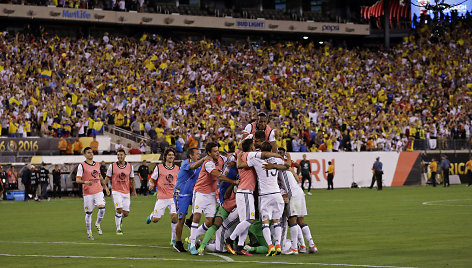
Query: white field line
x=439 y=203
x=82 y=243
x=226 y=259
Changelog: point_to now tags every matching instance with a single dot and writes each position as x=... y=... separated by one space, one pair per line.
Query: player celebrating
x=261 y=124
x=88 y=174
x=271 y=203
x=245 y=199
x=204 y=195
x=121 y=174
x=183 y=191
x=165 y=176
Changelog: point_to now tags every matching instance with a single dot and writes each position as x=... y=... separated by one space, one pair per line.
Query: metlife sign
x=79 y=14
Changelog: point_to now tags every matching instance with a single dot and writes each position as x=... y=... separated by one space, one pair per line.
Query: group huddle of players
x=253 y=192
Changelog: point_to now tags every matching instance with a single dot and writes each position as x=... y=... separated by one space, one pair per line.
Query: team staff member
x=377 y=167
x=305 y=170
x=331 y=175
x=3 y=182
x=468 y=167
x=433 y=167
x=88 y=174
x=445 y=166
x=143 y=172
x=261 y=124
x=44 y=180
x=121 y=174
x=56 y=180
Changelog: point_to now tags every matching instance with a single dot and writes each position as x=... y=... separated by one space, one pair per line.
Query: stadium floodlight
x=305 y=37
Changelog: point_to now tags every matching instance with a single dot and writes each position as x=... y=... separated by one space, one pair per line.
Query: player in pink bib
x=121 y=174
x=165 y=176
x=88 y=174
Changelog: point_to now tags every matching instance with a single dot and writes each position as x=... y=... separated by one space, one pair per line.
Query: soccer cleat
x=301 y=249
x=309 y=193
x=90 y=236
x=148 y=220
x=271 y=251
x=278 y=249
x=179 y=247
x=99 y=229
x=243 y=252
x=313 y=249
x=187 y=240
x=200 y=251
x=172 y=242
x=229 y=245
x=119 y=232
x=290 y=251
x=193 y=251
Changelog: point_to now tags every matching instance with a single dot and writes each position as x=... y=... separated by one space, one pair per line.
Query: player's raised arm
x=197 y=164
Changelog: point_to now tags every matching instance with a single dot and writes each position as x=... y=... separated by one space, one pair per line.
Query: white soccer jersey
x=267 y=179
x=289 y=183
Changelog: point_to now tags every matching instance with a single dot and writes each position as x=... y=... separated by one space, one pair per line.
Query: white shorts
x=90 y=201
x=271 y=207
x=205 y=203
x=297 y=205
x=245 y=206
x=121 y=200
x=161 y=205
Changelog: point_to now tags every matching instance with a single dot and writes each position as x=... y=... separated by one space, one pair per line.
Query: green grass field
x=352 y=228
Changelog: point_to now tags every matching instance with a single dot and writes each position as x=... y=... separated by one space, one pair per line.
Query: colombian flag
x=46 y=74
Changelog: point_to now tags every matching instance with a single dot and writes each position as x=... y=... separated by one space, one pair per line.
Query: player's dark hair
x=260 y=135
x=262 y=114
x=281 y=149
x=266 y=146
x=166 y=152
x=191 y=151
x=329 y=162
x=210 y=146
x=121 y=150
x=247 y=145
x=86 y=149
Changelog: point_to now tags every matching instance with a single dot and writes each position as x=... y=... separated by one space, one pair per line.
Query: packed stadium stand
x=153 y=91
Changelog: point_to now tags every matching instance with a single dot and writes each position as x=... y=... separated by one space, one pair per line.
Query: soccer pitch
x=397 y=227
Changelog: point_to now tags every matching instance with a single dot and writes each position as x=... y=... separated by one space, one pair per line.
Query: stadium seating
x=320 y=97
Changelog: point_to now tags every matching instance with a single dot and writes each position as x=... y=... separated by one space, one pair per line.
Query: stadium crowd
x=319 y=98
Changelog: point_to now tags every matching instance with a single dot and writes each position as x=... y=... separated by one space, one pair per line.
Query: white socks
x=294 y=236
x=277 y=233
x=118 y=218
x=88 y=221
x=240 y=229
x=196 y=232
x=100 y=215
x=307 y=235
x=172 y=227
x=266 y=233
